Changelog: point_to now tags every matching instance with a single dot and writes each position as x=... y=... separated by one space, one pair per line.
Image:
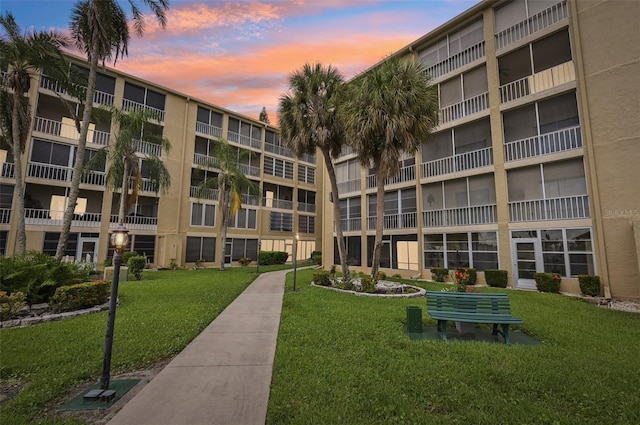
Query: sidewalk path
x=223 y=376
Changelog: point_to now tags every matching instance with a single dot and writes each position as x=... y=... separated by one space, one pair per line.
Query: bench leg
x=442 y=329
x=505 y=333
x=495 y=330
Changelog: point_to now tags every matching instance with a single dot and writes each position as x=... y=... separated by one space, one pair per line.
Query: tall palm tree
x=100 y=29
x=390 y=110
x=231 y=183
x=310 y=119
x=23 y=56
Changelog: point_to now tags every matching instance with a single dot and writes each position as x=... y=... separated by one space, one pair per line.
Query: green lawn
x=343 y=359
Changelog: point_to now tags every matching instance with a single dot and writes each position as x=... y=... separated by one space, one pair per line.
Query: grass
x=157 y=317
x=343 y=359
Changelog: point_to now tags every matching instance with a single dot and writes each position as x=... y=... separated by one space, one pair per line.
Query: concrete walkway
x=223 y=376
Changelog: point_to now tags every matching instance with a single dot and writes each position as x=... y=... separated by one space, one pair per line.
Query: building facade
x=533 y=164
x=180 y=227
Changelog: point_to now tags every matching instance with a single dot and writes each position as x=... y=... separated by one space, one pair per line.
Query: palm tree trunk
x=224 y=212
x=82 y=143
x=342 y=250
x=124 y=193
x=377 y=248
x=18 y=155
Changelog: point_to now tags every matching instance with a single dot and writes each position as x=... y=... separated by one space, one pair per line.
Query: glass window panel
x=473 y=136
x=520 y=123
x=234 y=125
x=455 y=193
x=155 y=99
x=558 y=112
x=209 y=215
x=509 y=15
x=245 y=129
x=434 y=242
x=484 y=241
x=515 y=65
x=438 y=147
x=208 y=249
x=203 y=115
x=475 y=82
x=554 y=262
x=391 y=202
x=581 y=264
x=105 y=83
x=579 y=240
x=196 y=214
x=41 y=151
x=471 y=35
x=192 y=249
x=60 y=154
x=457 y=259
x=433 y=259
x=216 y=119
x=524 y=184
x=133 y=92
x=450 y=92
x=551 y=51
x=482 y=190
x=524 y=234
x=457 y=241
x=408 y=200
x=565 y=178
x=485 y=260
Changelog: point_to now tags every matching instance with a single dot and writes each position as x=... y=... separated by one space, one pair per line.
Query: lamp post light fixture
x=295 y=259
x=119 y=241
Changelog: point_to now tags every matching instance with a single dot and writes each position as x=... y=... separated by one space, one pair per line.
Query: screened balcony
x=5 y=215
x=204 y=160
x=133 y=222
x=277 y=196
x=348 y=176
x=565 y=208
x=209 y=123
x=395 y=221
x=464 y=95
x=103 y=94
x=206 y=194
x=399 y=210
x=405 y=174
x=515 y=20
x=536 y=67
x=542 y=128
x=273 y=144
x=7 y=170
x=143 y=215
x=244 y=133
x=147 y=148
x=306 y=201
x=465 y=216
x=45 y=205
x=138 y=98
x=351 y=224
x=33 y=216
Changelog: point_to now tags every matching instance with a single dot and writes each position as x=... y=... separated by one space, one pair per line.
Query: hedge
x=589 y=285
x=273 y=257
x=80 y=295
x=496 y=278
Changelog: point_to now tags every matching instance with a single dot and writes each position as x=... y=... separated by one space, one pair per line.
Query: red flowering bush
x=548 y=282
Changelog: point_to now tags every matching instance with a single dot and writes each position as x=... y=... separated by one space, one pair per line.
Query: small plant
x=332 y=270
x=368 y=284
x=397 y=276
x=439 y=273
x=245 y=261
x=126 y=255
x=80 y=295
x=345 y=283
x=173 y=265
x=322 y=278
x=381 y=276
x=316 y=257
x=589 y=285
x=548 y=282
x=10 y=305
x=199 y=263
x=496 y=278
x=136 y=264
x=108 y=262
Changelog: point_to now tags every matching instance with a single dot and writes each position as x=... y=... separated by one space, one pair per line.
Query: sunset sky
x=239 y=54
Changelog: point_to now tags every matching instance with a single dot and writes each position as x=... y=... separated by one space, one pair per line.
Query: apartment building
x=534 y=164
x=180 y=227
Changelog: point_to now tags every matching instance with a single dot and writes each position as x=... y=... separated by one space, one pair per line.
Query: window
x=306 y=224
x=306 y=174
x=144 y=245
x=200 y=248
x=244 y=248
x=144 y=96
x=50 y=244
x=452 y=250
x=203 y=214
x=278 y=167
x=244 y=219
x=209 y=117
x=281 y=222
x=50 y=153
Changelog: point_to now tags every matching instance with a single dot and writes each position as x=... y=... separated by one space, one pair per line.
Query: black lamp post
x=295 y=259
x=258 y=265
x=119 y=241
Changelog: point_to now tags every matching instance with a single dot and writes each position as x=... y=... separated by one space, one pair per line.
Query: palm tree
x=231 y=183
x=310 y=119
x=100 y=29
x=23 y=56
x=390 y=110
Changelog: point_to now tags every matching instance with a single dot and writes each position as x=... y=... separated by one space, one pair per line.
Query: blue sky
x=238 y=54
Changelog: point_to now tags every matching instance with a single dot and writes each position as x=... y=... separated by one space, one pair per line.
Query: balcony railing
x=405 y=174
x=460 y=59
x=464 y=216
x=243 y=140
x=395 y=221
x=69 y=131
x=311 y=159
x=249 y=200
x=304 y=207
x=461 y=162
x=533 y=24
x=280 y=150
x=208 y=129
x=64 y=174
x=205 y=160
x=55 y=218
x=207 y=194
x=348 y=187
x=135 y=222
x=538 y=82
x=5 y=215
x=346 y=150
x=130 y=105
x=249 y=170
x=147 y=148
x=7 y=170
x=565 y=208
x=465 y=108
x=100 y=97
x=277 y=203
x=351 y=224
x=544 y=144
x=95 y=178
x=147 y=184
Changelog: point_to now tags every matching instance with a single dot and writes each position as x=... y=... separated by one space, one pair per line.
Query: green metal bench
x=471 y=307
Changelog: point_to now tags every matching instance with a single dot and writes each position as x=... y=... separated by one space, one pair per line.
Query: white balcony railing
x=405 y=174
x=538 y=82
x=7 y=170
x=5 y=215
x=246 y=199
x=130 y=105
x=55 y=218
x=395 y=221
x=100 y=97
x=64 y=174
x=533 y=24
x=207 y=194
x=147 y=185
x=464 y=216
x=277 y=203
x=208 y=129
x=249 y=170
x=565 y=208
x=243 y=140
x=346 y=150
x=69 y=131
x=94 y=178
x=304 y=207
x=544 y=144
x=205 y=160
x=280 y=150
x=461 y=162
x=351 y=224
x=465 y=108
x=458 y=60
x=147 y=148
x=311 y=159
x=348 y=187
x=135 y=222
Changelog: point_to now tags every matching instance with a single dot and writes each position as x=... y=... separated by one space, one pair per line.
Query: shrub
x=589 y=285
x=548 y=282
x=439 y=273
x=345 y=283
x=273 y=257
x=496 y=278
x=332 y=270
x=11 y=304
x=108 y=262
x=381 y=276
x=80 y=295
x=368 y=284
x=126 y=255
x=136 y=264
x=244 y=261
x=316 y=257
x=322 y=278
